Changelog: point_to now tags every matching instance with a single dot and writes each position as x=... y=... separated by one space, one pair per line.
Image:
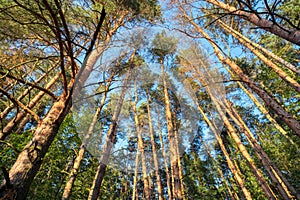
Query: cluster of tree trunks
x=72 y=78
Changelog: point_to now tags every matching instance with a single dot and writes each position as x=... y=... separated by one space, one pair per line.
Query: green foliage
x=281 y=47
x=201 y=182
x=11 y=147
x=148 y=9
x=163 y=45
x=284 y=155
x=290 y=10
x=49 y=182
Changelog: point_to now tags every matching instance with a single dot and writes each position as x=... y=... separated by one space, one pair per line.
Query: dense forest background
x=129 y=99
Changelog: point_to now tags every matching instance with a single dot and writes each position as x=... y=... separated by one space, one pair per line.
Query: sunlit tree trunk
x=290 y=81
x=202 y=79
x=141 y=148
x=262 y=181
x=285 y=188
x=110 y=141
x=262 y=109
x=234 y=170
x=30 y=159
x=177 y=192
x=216 y=167
x=260 y=178
x=285 y=33
x=179 y=160
x=260 y=48
x=79 y=157
x=174 y=121
x=155 y=159
x=169 y=186
x=20 y=116
x=134 y=191
x=268 y=99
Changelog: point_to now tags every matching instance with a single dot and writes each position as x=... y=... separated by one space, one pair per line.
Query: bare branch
x=6 y=74
x=21 y=105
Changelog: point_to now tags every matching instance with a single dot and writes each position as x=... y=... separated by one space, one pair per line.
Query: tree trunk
x=234 y=170
x=110 y=141
x=169 y=186
x=141 y=149
x=30 y=159
x=285 y=33
x=179 y=164
x=155 y=159
x=134 y=191
x=262 y=109
x=177 y=194
x=276 y=176
x=289 y=80
x=8 y=128
x=260 y=178
x=262 y=49
x=269 y=101
x=285 y=188
x=217 y=168
x=263 y=183
x=77 y=162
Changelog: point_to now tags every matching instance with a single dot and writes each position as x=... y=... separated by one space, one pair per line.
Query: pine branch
x=21 y=105
x=6 y=74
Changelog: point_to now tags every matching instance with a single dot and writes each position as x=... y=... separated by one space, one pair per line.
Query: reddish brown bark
x=30 y=159
x=234 y=170
x=20 y=116
x=74 y=171
x=283 y=32
x=284 y=187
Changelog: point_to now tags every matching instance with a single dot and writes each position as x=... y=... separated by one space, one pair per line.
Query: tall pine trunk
x=291 y=35
x=155 y=159
x=79 y=157
x=110 y=141
x=285 y=188
x=169 y=185
x=141 y=148
x=176 y=186
x=134 y=190
x=268 y=53
x=268 y=99
x=289 y=80
x=234 y=169
x=260 y=178
x=30 y=159
x=262 y=109
x=217 y=168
